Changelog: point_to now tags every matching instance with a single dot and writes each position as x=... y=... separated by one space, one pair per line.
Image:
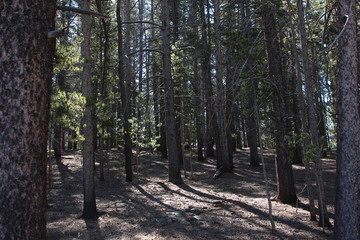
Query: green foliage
x=67 y=57
x=67 y=110
x=140 y=135
x=311 y=153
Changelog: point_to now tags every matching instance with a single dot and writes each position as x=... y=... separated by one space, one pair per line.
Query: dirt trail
x=233 y=206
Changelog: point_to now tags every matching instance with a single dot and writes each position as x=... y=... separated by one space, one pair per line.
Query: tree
x=312 y=115
x=124 y=85
x=89 y=210
x=206 y=80
x=223 y=157
x=171 y=134
x=285 y=179
x=25 y=75
x=300 y=120
x=347 y=206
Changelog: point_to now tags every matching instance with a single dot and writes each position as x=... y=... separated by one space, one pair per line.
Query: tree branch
x=338 y=36
x=148 y=22
x=82 y=11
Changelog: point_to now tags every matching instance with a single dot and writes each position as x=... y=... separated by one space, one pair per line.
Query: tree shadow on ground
x=231 y=207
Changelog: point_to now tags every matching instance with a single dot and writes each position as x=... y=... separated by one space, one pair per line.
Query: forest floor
x=234 y=206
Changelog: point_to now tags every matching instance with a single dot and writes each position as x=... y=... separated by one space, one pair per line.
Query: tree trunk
x=299 y=97
x=58 y=129
x=141 y=55
x=311 y=103
x=251 y=124
x=230 y=88
x=222 y=147
x=347 y=206
x=26 y=57
x=285 y=180
x=124 y=83
x=89 y=210
x=197 y=83
x=206 y=80
x=171 y=136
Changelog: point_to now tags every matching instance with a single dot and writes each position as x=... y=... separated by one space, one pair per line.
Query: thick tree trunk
x=89 y=211
x=26 y=57
x=222 y=146
x=285 y=180
x=347 y=207
x=171 y=135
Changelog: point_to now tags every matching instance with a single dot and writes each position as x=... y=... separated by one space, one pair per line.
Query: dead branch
x=148 y=22
x=82 y=11
x=56 y=33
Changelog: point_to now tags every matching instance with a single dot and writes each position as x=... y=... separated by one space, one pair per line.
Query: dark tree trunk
x=311 y=103
x=285 y=180
x=298 y=151
x=58 y=129
x=196 y=82
x=26 y=57
x=171 y=134
x=347 y=206
x=124 y=83
x=222 y=145
x=163 y=141
x=230 y=89
x=251 y=125
x=210 y=120
x=89 y=211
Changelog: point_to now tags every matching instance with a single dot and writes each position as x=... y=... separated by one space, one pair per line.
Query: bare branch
x=145 y=50
x=148 y=22
x=82 y=11
x=56 y=33
x=338 y=36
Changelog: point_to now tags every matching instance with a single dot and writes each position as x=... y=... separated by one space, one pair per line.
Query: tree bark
x=222 y=147
x=285 y=179
x=171 y=135
x=124 y=83
x=210 y=120
x=311 y=103
x=26 y=57
x=299 y=104
x=89 y=210
x=347 y=206
x=251 y=124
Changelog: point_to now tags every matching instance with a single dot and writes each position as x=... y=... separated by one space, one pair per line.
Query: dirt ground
x=233 y=206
